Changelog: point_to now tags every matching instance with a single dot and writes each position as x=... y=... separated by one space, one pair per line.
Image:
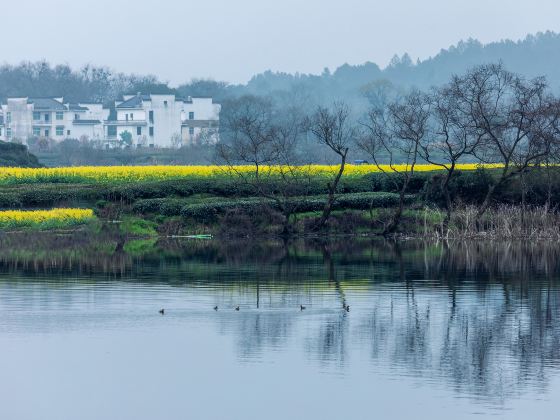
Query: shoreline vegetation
x=174 y=201
x=105 y=252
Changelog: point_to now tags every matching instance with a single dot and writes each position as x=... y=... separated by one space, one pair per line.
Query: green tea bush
x=163 y=206
x=359 y=201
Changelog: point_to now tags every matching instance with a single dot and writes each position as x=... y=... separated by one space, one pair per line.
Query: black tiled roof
x=77 y=107
x=135 y=101
x=47 y=103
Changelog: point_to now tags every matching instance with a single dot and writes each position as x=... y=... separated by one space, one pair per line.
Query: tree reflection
x=482 y=316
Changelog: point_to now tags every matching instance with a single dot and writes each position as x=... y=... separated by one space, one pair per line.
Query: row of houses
x=150 y=120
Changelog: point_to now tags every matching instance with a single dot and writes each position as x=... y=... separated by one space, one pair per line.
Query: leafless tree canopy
x=333 y=128
x=487 y=115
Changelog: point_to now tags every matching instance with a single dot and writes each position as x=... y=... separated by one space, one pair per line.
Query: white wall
x=203 y=109
x=91 y=131
x=21 y=118
x=96 y=112
x=167 y=119
x=137 y=114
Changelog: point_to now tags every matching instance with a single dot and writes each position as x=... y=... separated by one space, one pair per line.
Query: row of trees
x=96 y=83
x=90 y=83
x=486 y=115
x=533 y=55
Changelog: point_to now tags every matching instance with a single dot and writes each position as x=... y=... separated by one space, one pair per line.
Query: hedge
x=360 y=201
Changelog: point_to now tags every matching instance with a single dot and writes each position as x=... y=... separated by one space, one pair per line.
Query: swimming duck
x=162 y=311
x=302 y=308
x=215 y=308
x=237 y=308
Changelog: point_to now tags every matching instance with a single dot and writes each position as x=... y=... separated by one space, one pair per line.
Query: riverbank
x=179 y=201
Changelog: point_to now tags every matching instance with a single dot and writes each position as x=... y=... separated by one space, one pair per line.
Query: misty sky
x=234 y=39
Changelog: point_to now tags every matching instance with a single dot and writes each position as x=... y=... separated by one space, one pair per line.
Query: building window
x=59 y=130
x=47 y=132
x=76 y=116
x=139 y=131
x=132 y=116
x=126 y=116
x=191 y=115
x=47 y=117
x=59 y=115
x=112 y=131
x=36 y=116
x=8 y=117
x=151 y=116
x=0 y=131
x=151 y=131
x=36 y=131
x=165 y=104
x=67 y=132
x=191 y=131
x=9 y=133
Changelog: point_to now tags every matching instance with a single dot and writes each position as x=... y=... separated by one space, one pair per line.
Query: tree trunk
x=286 y=230
x=523 y=196
x=549 y=188
x=332 y=191
x=395 y=220
x=448 y=201
x=486 y=203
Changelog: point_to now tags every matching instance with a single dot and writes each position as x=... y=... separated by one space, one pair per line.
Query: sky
x=232 y=40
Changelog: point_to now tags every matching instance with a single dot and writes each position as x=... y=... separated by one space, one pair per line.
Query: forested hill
x=535 y=55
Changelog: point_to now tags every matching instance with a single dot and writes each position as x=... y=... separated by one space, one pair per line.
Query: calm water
x=434 y=331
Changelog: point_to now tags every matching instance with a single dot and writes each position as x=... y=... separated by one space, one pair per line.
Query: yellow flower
x=111 y=174
x=44 y=218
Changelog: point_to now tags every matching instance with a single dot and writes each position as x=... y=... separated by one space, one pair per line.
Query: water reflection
x=479 y=318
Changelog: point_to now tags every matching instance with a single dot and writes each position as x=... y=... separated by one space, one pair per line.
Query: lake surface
x=434 y=331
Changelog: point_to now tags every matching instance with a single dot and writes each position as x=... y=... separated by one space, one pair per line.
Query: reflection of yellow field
x=154 y=173
x=44 y=218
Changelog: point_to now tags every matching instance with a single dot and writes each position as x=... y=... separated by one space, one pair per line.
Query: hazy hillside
x=533 y=56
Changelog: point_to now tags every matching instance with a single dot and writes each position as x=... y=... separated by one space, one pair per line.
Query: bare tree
x=392 y=138
x=256 y=133
x=333 y=128
x=451 y=137
x=515 y=118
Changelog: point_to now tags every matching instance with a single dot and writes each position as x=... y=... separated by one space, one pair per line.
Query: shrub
x=209 y=210
x=163 y=206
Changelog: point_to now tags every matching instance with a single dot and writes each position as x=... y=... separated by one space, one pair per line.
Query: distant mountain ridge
x=535 y=55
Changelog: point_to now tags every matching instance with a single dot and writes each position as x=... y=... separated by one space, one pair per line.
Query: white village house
x=150 y=120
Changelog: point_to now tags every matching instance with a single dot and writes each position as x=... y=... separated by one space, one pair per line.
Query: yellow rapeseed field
x=44 y=218
x=108 y=174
